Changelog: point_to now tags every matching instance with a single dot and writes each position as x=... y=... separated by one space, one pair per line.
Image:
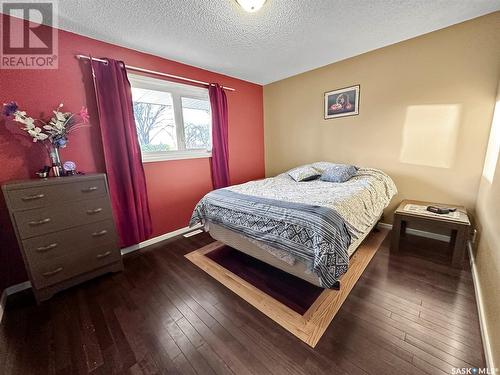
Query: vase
x=54 y=156
x=55 y=161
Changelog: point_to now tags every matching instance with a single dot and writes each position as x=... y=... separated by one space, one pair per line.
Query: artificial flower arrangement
x=53 y=134
x=55 y=131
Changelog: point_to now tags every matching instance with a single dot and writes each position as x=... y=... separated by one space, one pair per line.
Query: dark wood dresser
x=65 y=230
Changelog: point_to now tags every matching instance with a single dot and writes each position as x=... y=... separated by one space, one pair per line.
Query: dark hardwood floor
x=409 y=313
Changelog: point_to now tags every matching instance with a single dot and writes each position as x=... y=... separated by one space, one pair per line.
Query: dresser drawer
x=68 y=266
x=48 y=195
x=70 y=241
x=46 y=220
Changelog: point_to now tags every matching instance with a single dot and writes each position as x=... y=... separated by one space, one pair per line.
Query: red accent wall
x=174 y=187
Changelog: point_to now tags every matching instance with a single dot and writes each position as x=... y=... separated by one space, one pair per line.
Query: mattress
x=299 y=268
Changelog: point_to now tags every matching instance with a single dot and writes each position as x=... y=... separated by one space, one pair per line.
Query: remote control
x=439 y=210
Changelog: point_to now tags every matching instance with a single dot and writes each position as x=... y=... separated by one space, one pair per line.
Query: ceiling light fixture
x=251 y=5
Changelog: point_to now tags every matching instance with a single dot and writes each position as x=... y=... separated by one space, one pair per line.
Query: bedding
x=314 y=221
x=304 y=173
x=339 y=173
x=321 y=166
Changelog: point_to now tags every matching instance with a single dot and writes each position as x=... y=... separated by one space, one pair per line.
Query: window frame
x=177 y=91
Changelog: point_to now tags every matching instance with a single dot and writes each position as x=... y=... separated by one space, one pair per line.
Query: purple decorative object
x=69 y=166
x=10 y=108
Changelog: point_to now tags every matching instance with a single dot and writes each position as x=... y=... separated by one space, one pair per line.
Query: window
x=173 y=120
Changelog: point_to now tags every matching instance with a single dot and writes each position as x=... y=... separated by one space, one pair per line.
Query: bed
x=308 y=229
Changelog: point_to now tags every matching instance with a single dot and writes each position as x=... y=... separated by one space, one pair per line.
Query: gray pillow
x=304 y=173
x=322 y=166
x=339 y=173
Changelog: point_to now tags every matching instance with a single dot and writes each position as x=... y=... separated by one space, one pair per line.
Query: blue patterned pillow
x=339 y=173
x=304 y=173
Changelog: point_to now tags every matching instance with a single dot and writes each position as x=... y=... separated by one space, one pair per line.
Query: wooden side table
x=459 y=226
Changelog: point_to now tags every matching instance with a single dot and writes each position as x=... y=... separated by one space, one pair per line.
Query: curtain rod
x=157 y=73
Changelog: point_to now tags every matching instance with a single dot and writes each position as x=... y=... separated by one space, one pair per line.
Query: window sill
x=152 y=157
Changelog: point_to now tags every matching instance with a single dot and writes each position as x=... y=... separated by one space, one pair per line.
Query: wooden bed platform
x=310 y=326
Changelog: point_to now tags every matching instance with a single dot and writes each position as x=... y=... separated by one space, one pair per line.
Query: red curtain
x=122 y=153
x=220 y=148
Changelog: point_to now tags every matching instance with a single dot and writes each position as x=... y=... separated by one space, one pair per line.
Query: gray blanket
x=316 y=234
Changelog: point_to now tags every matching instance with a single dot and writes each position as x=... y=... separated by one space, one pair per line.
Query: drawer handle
x=50 y=273
x=103 y=255
x=89 y=189
x=43 y=249
x=39 y=222
x=33 y=197
x=94 y=211
x=99 y=234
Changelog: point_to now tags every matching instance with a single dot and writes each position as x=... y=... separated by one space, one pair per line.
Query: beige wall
x=488 y=252
x=438 y=89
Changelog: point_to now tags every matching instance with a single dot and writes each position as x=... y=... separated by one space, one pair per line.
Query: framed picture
x=342 y=102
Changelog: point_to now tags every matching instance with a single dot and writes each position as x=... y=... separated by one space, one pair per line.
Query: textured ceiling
x=284 y=38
